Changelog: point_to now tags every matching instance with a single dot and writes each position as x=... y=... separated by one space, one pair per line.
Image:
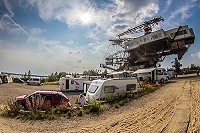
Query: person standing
x=82 y=100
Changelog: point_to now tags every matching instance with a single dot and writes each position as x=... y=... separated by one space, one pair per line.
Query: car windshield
x=63 y=95
x=93 y=88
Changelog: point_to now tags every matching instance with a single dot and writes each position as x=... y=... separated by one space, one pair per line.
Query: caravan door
x=67 y=84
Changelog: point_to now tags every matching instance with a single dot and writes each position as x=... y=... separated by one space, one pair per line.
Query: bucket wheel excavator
x=149 y=49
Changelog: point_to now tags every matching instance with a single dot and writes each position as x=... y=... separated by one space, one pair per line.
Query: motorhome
x=103 y=88
x=152 y=75
x=69 y=83
x=120 y=74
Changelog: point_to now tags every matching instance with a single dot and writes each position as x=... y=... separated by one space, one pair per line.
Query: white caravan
x=101 y=89
x=69 y=83
x=152 y=74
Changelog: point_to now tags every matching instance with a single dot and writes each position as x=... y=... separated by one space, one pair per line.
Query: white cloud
x=37 y=31
x=131 y=13
x=135 y=10
x=56 y=58
x=184 y=11
x=8 y=24
x=71 y=12
x=168 y=3
x=196 y=55
x=8 y=7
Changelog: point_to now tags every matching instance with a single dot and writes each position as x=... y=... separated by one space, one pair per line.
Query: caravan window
x=110 y=89
x=165 y=73
x=93 y=88
x=159 y=72
x=130 y=87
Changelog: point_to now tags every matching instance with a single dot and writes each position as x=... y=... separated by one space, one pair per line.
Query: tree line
x=56 y=76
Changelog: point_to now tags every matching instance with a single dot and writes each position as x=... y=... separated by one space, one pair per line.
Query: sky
x=48 y=36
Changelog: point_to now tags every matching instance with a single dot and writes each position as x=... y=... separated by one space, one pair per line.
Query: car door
x=48 y=98
x=57 y=99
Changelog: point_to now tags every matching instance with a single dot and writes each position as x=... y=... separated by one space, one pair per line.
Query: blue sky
x=46 y=36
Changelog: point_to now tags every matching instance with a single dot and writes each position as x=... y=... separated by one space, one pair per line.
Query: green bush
x=116 y=106
x=11 y=109
x=110 y=99
x=122 y=102
x=51 y=114
x=37 y=104
x=122 y=95
x=69 y=114
x=52 y=83
x=95 y=106
x=80 y=113
x=35 y=115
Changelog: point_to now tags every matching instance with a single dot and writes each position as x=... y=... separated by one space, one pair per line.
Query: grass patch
x=51 y=83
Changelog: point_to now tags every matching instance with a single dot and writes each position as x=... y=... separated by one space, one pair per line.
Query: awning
x=144 y=70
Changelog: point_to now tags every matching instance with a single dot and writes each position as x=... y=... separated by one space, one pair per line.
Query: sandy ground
x=148 y=114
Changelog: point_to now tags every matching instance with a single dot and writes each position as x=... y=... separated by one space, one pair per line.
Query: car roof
x=48 y=92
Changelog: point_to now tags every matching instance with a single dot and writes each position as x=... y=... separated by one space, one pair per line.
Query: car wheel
x=162 y=80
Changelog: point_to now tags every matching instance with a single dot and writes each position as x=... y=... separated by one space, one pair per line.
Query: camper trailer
x=69 y=83
x=101 y=89
x=152 y=75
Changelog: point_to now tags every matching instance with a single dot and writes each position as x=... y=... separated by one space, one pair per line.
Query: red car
x=55 y=98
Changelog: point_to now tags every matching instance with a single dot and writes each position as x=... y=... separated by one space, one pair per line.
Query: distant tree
x=24 y=77
x=61 y=74
x=29 y=74
x=104 y=73
x=90 y=72
x=193 y=67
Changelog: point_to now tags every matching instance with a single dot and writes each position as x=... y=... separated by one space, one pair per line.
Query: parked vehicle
x=120 y=74
x=171 y=73
x=55 y=98
x=69 y=83
x=94 y=77
x=152 y=75
x=18 y=80
x=101 y=89
x=34 y=81
x=86 y=85
x=6 y=78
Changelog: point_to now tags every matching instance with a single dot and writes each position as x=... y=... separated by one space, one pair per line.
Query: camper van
x=69 y=83
x=152 y=75
x=101 y=89
x=34 y=81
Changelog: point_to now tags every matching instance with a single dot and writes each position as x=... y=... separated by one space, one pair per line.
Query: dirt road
x=151 y=113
